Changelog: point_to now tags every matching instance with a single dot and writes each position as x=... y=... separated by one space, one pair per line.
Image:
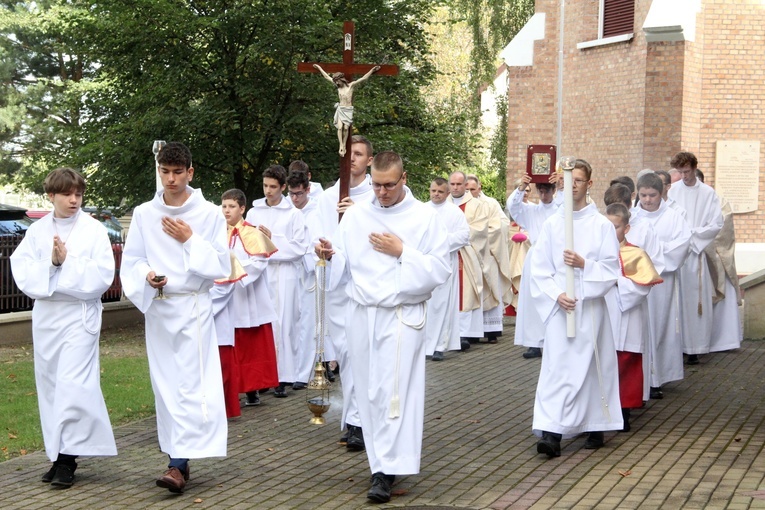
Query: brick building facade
x=688 y=74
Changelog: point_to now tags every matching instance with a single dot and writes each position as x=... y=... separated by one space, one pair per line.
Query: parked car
x=13 y=225
x=113 y=229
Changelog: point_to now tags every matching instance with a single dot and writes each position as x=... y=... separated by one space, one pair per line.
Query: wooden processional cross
x=349 y=68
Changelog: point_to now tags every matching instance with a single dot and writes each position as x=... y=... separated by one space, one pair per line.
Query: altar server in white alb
x=704 y=216
x=286 y=226
x=177 y=244
x=65 y=263
x=328 y=208
x=442 y=329
x=396 y=252
x=529 y=329
x=578 y=388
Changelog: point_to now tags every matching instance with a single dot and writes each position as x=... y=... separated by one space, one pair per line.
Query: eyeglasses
x=579 y=182
x=296 y=193
x=390 y=186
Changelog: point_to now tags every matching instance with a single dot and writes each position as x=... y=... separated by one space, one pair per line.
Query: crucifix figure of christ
x=342 y=76
x=344 y=108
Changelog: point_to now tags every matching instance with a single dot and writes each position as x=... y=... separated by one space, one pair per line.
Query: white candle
x=568 y=204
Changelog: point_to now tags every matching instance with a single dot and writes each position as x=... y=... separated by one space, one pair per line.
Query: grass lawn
x=124 y=381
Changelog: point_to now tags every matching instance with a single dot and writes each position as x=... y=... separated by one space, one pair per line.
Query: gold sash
x=637 y=265
x=254 y=242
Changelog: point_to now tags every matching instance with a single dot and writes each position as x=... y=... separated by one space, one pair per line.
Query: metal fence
x=13 y=300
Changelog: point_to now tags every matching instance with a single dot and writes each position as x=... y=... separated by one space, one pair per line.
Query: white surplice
x=336 y=299
x=287 y=228
x=66 y=325
x=578 y=388
x=385 y=322
x=182 y=347
x=673 y=234
x=245 y=303
x=442 y=328
x=704 y=216
x=529 y=328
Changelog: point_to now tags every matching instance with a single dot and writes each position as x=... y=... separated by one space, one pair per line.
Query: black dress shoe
x=63 y=478
x=693 y=359
x=382 y=486
x=355 y=442
x=594 y=441
x=438 y=356
x=280 y=391
x=656 y=393
x=491 y=338
x=299 y=386
x=48 y=477
x=464 y=345
x=533 y=352
x=549 y=444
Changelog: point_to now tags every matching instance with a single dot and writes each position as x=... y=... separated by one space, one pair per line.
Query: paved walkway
x=699 y=447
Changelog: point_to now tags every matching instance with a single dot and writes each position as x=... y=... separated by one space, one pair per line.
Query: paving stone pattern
x=699 y=447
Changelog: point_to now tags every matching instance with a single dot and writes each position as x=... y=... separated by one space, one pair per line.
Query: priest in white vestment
x=727 y=332
x=498 y=275
x=529 y=328
x=442 y=328
x=287 y=228
x=395 y=252
x=703 y=213
x=177 y=244
x=473 y=268
x=328 y=208
x=578 y=388
x=674 y=236
x=65 y=263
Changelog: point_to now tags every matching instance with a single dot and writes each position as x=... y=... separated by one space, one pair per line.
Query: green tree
x=220 y=75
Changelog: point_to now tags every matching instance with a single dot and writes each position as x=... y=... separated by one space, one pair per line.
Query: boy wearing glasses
x=392 y=252
x=287 y=230
x=299 y=189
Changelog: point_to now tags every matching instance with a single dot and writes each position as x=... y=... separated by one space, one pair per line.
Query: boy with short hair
x=287 y=229
x=628 y=310
x=65 y=263
x=177 y=244
x=243 y=310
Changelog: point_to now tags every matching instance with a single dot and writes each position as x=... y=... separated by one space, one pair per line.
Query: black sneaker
x=280 y=391
x=355 y=442
x=693 y=359
x=253 y=398
x=656 y=393
x=438 y=356
x=64 y=476
x=533 y=352
x=48 y=477
x=382 y=485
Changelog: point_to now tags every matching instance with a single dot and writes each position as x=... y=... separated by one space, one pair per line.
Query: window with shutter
x=618 y=17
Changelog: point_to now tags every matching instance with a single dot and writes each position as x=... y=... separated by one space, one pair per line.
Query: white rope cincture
x=395 y=402
x=603 y=401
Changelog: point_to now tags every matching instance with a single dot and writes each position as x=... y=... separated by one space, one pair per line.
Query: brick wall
x=632 y=105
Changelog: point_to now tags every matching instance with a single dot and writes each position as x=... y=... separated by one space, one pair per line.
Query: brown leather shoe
x=173 y=480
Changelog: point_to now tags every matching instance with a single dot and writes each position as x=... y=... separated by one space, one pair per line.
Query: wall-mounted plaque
x=737 y=173
x=540 y=162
